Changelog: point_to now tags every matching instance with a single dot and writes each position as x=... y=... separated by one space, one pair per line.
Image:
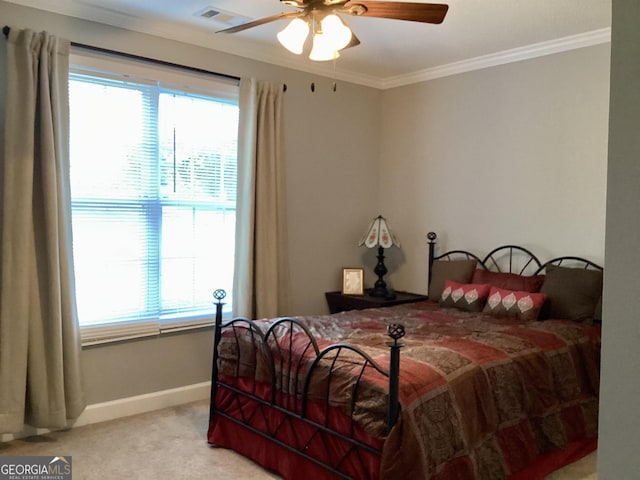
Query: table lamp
x=379 y=235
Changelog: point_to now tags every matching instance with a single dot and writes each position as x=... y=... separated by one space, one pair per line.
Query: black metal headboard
x=506 y=258
x=572 y=262
x=450 y=255
x=512 y=259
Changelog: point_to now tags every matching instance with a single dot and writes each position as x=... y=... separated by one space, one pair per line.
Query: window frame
x=88 y=62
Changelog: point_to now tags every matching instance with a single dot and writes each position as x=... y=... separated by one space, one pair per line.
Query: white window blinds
x=153 y=183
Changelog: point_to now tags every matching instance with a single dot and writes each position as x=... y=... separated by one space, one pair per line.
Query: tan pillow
x=572 y=293
x=459 y=271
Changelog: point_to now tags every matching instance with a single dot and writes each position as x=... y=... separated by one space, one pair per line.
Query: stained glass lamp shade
x=379 y=235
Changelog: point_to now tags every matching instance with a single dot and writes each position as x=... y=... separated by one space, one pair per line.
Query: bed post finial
x=396 y=331
x=218 y=295
x=431 y=236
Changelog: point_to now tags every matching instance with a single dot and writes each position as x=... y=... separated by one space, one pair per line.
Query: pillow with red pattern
x=513 y=303
x=465 y=296
x=509 y=281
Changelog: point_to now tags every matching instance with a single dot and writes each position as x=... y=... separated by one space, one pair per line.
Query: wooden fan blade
x=295 y=3
x=415 y=12
x=260 y=21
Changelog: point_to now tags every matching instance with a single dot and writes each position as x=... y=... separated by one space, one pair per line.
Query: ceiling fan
x=330 y=33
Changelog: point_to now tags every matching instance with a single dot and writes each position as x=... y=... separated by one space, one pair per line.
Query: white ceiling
x=475 y=33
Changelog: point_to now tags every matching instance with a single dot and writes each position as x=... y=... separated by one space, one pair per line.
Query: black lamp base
x=379 y=292
x=380 y=287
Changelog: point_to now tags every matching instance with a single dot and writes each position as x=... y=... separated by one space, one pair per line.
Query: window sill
x=114 y=333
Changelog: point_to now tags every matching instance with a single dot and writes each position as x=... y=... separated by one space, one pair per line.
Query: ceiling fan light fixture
x=293 y=36
x=330 y=33
x=323 y=48
x=336 y=31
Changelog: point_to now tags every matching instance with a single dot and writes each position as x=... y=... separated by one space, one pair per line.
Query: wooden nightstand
x=339 y=303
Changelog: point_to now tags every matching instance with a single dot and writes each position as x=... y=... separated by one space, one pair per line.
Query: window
x=153 y=186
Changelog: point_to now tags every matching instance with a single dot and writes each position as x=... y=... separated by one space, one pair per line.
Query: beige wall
x=511 y=154
x=331 y=147
x=620 y=388
x=515 y=153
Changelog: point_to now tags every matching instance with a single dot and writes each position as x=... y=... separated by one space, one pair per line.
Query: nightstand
x=339 y=303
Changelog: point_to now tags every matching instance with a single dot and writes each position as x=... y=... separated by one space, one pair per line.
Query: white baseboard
x=124 y=407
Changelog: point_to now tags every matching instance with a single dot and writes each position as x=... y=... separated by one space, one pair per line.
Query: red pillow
x=510 y=303
x=465 y=296
x=509 y=281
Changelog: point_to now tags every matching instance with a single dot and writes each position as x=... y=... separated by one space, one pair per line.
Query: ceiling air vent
x=222 y=16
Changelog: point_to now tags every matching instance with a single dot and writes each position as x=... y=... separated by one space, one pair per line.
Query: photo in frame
x=352 y=281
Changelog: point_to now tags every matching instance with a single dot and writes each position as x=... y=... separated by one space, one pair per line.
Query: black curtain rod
x=154 y=60
x=7 y=29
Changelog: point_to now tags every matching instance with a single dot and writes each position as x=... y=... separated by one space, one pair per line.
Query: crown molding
x=95 y=13
x=535 y=50
x=264 y=55
x=92 y=12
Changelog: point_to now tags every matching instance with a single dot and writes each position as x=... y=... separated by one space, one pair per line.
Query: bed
x=496 y=376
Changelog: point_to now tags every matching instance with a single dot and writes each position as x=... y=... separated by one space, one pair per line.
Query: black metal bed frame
x=276 y=344
x=502 y=259
x=298 y=410
x=293 y=405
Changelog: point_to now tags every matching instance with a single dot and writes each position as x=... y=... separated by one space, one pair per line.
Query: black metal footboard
x=295 y=382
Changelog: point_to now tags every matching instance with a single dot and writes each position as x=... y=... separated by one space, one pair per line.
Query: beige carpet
x=170 y=444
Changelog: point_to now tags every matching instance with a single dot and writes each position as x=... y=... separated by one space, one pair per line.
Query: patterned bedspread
x=481 y=397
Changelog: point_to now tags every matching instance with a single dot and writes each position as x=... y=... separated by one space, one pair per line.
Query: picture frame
x=352 y=281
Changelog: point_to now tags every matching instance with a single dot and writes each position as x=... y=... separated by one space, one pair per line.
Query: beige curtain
x=260 y=286
x=40 y=378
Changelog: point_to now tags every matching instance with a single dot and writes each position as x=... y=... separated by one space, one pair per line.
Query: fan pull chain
x=335 y=85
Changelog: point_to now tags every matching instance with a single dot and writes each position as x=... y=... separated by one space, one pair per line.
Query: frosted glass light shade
x=293 y=36
x=322 y=48
x=338 y=34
